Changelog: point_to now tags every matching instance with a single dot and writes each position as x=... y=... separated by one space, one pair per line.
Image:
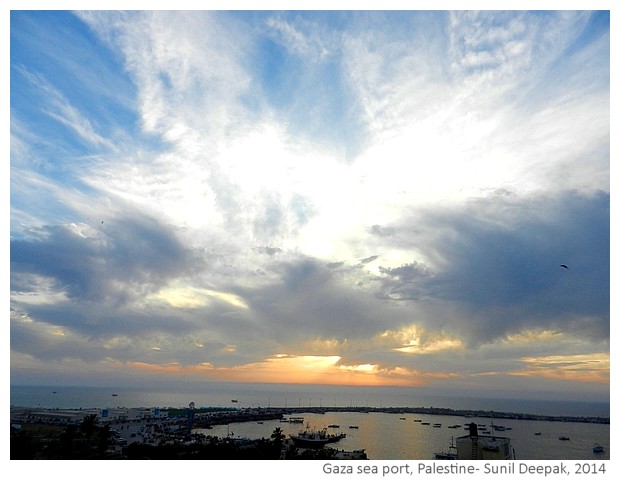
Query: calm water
x=276 y=395
x=383 y=435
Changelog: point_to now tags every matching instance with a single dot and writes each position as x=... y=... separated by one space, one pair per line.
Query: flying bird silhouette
x=564 y=266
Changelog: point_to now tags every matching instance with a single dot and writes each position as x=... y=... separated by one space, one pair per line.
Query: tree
x=103 y=441
x=88 y=427
x=278 y=436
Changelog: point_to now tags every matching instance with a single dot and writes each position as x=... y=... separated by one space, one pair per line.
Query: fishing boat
x=564 y=438
x=598 y=449
x=315 y=438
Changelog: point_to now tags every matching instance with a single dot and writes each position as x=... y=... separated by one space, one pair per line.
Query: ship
x=315 y=438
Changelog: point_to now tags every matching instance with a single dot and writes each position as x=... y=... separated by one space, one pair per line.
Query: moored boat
x=315 y=438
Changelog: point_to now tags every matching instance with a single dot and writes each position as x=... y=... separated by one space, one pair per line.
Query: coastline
x=411 y=429
x=248 y=414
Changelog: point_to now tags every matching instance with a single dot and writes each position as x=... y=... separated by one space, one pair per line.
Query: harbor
x=413 y=433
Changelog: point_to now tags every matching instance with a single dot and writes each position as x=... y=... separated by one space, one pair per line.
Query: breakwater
x=206 y=419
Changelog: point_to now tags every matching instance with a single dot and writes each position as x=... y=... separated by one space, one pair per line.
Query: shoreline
x=467 y=413
x=222 y=415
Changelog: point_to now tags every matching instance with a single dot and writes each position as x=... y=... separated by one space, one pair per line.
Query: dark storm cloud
x=311 y=300
x=124 y=257
x=499 y=263
x=407 y=282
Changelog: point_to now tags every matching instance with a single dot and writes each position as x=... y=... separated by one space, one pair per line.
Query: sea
x=384 y=436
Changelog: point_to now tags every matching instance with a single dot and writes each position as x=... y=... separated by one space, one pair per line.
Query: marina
x=378 y=430
x=409 y=440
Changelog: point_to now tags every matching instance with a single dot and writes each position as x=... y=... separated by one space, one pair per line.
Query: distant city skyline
x=411 y=198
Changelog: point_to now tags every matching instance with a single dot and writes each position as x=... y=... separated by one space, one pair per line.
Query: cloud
x=499 y=261
x=585 y=368
x=115 y=261
x=374 y=195
x=60 y=108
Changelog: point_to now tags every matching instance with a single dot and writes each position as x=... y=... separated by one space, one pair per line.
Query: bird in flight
x=564 y=266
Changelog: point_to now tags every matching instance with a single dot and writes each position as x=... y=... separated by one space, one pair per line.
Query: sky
x=325 y=197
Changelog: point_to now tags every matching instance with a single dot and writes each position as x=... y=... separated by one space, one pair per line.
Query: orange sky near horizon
x=327 y=370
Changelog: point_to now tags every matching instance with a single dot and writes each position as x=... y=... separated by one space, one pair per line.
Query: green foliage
x=88 y=441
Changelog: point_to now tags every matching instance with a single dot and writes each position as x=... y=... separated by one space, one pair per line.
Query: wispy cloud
x=60 y=108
